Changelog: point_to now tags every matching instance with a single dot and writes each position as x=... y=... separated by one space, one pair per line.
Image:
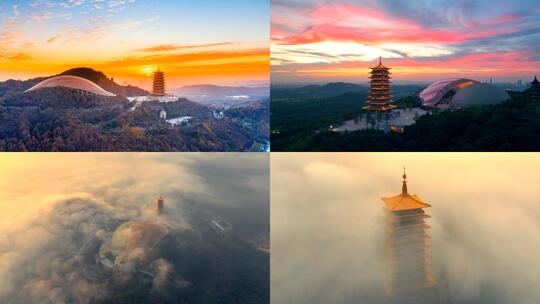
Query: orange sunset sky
x=194 y=42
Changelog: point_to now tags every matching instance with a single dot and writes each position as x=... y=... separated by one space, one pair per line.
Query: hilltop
x=62 y=119
x=88 y=73
x=513 y=125
x=106 y=83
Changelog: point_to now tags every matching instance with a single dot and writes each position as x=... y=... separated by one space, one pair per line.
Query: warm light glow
x=148 y=70
x=327 y=217
x=127 y=40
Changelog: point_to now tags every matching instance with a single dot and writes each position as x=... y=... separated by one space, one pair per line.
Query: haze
x=327 y=226
x=52 y=202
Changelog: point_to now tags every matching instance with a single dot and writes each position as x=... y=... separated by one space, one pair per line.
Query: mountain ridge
x=95 y=76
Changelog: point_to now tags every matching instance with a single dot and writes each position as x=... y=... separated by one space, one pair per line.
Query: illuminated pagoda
x=379 y=89
x=158 y=83
x=535 y=90
x=408 y=249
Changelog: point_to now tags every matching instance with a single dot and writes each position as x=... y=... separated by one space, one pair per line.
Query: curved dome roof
x=434 y=93
x=135 y=240
x=72 y=82
x=479 y=94
x=137 y=234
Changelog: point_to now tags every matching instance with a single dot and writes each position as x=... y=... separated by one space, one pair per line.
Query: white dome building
x=479 y=94
x=460 y=92
x=132 y=241
x=438 y=93
x=72 y=82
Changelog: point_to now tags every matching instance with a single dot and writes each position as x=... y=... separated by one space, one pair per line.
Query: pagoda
x=158 y=83
x=159 y=205
x=379 y=89
x=535 y=90
x=408 y=249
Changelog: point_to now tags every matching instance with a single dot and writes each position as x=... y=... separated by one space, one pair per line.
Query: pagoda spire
x=404 y=191
x=380 y=60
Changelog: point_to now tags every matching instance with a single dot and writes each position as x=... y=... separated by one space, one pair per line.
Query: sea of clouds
x=50 y=204
x=327 y=226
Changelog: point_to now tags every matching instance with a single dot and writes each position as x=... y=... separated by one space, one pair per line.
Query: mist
x=55 y=207
x=327 y=226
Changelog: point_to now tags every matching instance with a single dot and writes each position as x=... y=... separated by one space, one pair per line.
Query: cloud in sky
x=320 y=35
x=328 y=224
x=53 y=204
x=66 y=33
x=176 y=47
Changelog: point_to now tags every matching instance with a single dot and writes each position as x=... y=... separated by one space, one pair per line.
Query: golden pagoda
x=408 y=249
x=379 y=89
x=158 y=83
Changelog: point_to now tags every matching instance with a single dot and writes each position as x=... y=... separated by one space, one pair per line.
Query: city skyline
x=129 y=39
x=327 y=41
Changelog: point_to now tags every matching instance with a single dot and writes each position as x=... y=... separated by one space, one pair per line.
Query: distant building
x=535 y=90
x=160 y=205
x=162 y=114
x=217 y=114
x=408 y=248
x=83 y=85
x=460 y=93
x=158 y=83
x=379 y=89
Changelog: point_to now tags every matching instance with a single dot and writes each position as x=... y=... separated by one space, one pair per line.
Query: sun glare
x=148 y=70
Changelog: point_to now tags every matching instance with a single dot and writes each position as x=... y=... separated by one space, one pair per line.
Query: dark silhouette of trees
x=511 y=126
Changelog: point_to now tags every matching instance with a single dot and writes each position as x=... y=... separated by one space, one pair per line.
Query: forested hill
x=511 y=126
x=62 y=119
x=106 y=83
x=335 y=89
x=95 y=76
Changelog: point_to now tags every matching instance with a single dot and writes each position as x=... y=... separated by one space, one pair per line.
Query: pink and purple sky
x=422 y=41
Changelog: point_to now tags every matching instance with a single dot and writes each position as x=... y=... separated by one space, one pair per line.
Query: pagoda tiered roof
x=379 y=89
x=404 y=200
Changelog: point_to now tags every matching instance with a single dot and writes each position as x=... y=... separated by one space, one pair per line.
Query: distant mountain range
x=224 y=96
x=336 y=88
x=95 y=76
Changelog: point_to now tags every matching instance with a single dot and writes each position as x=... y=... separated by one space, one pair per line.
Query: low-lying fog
x=52 y=205
x=327 y=225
